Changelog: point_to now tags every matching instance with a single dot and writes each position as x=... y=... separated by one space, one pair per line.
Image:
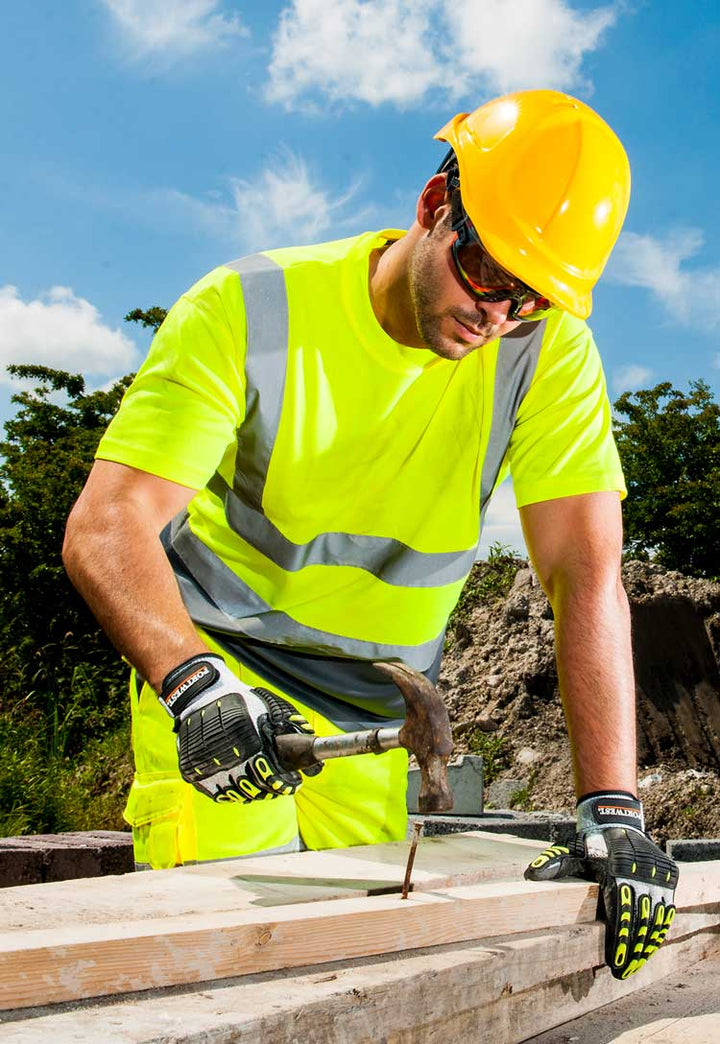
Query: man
x=294 y=485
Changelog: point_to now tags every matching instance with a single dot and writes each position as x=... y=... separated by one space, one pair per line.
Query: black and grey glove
x=226 y=730
x=637 y=879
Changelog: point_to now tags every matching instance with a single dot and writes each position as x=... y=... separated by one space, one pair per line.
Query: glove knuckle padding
x=215 y=737
x=226 y=732
x=632 y=854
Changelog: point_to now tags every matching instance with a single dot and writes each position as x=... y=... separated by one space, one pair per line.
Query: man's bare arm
x=575 y=545
x=113 y=555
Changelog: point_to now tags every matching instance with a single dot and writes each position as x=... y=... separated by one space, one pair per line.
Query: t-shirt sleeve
x=184 y=406
x=562 y=444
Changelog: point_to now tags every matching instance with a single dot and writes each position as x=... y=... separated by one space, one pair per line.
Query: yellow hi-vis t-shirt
x=376 y=444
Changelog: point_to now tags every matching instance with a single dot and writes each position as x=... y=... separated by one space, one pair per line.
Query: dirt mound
x=500 y=683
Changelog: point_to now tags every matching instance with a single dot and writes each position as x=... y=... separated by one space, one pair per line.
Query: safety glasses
x=480 y=274
x=477 y=270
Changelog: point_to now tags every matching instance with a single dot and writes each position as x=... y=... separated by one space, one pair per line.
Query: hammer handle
x=296 y=752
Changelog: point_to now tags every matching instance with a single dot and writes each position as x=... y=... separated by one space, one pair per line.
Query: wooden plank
x=38 y=967
x=561 y=1000
x=264 y=881
x=90 y=960
x=520 y=984
x=82 y=959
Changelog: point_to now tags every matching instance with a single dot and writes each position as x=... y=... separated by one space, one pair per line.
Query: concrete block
x=465 y=777
x=693 y=850
x=535 y=826
x=37 y=858
x=19 y=866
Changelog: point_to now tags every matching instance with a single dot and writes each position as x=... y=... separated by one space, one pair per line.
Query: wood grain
x=64 y=964
x=258 y=881
x=172 y=943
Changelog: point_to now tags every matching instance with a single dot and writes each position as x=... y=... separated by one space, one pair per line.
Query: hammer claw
x=426 y=733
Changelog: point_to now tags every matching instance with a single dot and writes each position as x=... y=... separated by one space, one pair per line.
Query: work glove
x=636 y=878
x=226 y=732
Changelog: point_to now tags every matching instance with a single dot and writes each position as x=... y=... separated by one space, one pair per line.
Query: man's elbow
x=76 y=536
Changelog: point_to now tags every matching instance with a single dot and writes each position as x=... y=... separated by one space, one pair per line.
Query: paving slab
x=38 y=858
x=536 y=826
x=465 y=776
x=693 y=850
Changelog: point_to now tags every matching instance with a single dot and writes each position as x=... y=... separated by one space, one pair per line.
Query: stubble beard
x=431 y=322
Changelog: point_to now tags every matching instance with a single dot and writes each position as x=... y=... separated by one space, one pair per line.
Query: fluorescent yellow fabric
x=354 y=801
x=375 y=438
x=562 y=443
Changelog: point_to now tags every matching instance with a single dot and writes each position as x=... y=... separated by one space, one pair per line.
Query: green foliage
x=151 y=319
x=491 y=748
x=669 y=444
x=487 y=582
x=522 y=799
x=62 y=686
x=42 y=792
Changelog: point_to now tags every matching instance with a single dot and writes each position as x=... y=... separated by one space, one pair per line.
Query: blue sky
x=146 y=141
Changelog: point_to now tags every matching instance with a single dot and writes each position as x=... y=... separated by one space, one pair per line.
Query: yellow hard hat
x=546 y=184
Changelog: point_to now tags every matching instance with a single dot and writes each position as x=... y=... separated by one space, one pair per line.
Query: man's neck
x=389 y=289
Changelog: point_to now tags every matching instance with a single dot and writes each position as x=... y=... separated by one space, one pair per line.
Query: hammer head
x=426 y=733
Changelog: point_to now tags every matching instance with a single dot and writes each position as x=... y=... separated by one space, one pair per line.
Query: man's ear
x=431 y=201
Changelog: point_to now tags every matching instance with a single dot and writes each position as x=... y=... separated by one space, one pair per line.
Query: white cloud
x=502 y=523
x=630 y=378
x=658 y=265
x=400 y=51
x=373 y=51
x=280 y=205
x=63 y=331
x=173 y=29
x=517 y=44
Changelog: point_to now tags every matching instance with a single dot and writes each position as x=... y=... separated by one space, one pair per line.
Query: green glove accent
x=636 y=878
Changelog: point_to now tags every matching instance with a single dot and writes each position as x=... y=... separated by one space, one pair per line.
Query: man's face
x=450 y=320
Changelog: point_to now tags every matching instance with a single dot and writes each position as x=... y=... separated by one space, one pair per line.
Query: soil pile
x=499 y=680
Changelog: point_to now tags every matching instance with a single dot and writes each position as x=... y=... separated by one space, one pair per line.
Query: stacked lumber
x=485 y=943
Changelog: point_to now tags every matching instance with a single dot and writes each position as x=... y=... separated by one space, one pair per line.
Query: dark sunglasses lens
x=480 y=273
x=476 y=265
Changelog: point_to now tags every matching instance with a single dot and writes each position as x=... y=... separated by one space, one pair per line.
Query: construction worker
x=294 y=485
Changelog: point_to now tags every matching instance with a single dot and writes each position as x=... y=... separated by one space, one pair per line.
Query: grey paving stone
x=465 y=777
x=693 y=850
x=536 y=826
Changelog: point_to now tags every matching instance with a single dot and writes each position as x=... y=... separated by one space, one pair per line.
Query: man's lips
x=471 y=333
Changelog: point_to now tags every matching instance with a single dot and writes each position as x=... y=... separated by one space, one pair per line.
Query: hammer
x=425 y=733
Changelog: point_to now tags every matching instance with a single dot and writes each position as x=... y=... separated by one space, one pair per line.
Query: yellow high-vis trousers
x=356 y=800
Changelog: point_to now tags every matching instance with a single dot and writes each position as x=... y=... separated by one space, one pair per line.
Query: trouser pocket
x=153 y=811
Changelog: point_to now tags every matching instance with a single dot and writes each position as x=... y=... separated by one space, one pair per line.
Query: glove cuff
x=612 y=808
x=186 y=681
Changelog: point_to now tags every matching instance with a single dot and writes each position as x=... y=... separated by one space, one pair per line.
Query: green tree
x=151 y=319
x=55 y=659
x=669 y=443
x=64 y=721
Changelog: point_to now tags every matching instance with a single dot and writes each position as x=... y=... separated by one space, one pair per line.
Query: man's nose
x=496 y=312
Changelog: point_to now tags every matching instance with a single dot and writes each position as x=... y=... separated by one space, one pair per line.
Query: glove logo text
x=187 y=683
x=618 y=810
